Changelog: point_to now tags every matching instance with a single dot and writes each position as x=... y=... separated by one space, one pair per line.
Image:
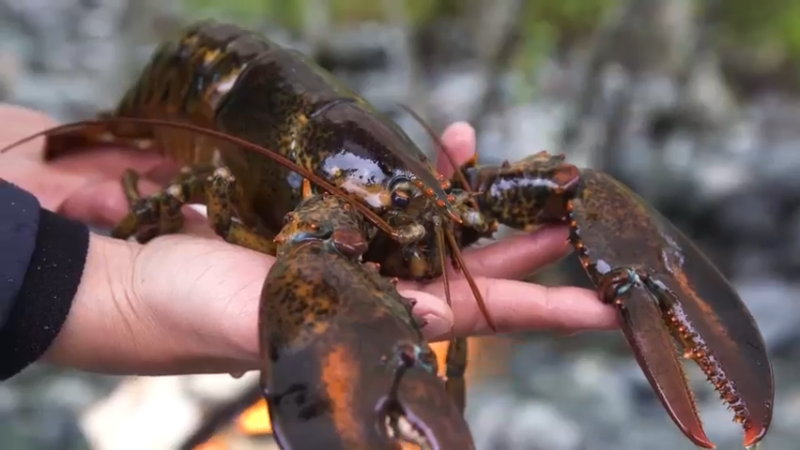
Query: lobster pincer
x=663 y=287
x=345 y=365
x=666 y=292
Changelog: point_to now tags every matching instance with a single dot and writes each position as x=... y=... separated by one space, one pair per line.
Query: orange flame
x=254 y=421
x=440 y=348
x=218 y=442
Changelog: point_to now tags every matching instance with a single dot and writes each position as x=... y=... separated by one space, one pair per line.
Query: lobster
x=298 y=127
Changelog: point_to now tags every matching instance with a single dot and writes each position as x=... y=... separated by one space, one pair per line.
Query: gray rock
x=778 y=167
x=10 y=400
x=774 y=305
x=71 y=392
x=508 y=422
x=539 y=426
x=750 y=217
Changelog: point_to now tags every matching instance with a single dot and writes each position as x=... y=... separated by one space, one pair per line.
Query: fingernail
x=435 y=326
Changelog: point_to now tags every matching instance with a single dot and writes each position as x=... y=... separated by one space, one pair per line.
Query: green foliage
x=290 y=13
x=565 y=19
x=767 y=23
x=243 y=11
x=349 y=11
x=569 y=16
x=545 y=23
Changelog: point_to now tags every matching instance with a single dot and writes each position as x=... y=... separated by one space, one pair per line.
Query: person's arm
x=67 y=297
x=42 y=256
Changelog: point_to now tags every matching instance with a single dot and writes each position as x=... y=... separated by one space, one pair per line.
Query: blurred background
x=693 y=103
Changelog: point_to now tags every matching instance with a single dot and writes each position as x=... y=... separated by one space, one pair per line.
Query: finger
x=518 y=256
x=197 y=224
x=49 y=186
x=103 y=204
x=459 y=142
x=518 y=306
x=435 y=313
x=19 y=122
x=108 y=162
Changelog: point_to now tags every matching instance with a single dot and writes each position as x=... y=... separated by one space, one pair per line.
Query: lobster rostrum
x=345 y=363
x=317 y=131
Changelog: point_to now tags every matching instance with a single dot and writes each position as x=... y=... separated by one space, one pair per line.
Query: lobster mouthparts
x=665 y=292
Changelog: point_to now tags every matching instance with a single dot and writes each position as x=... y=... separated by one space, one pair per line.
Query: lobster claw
x=666 y=290
x=652 y=319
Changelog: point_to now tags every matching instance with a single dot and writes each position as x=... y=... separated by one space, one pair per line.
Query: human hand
x=74 y=186
x=186 y=297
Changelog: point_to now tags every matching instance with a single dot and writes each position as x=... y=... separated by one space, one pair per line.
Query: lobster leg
x=456 y=366
x=221 y=193
x=160 y=213
x=130 y=186
x=188 y=175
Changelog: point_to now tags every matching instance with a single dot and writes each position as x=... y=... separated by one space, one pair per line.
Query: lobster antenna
x=457 y=257
x=442 y=148
x=280 y=159
x=440 y=247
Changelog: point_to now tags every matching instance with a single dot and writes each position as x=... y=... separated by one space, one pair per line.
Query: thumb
x=460 y=142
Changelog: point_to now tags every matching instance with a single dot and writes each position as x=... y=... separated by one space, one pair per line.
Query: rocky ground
x=726 y=172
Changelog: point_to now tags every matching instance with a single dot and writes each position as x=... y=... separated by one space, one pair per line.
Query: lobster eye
x=400 y=198
x=402 y=191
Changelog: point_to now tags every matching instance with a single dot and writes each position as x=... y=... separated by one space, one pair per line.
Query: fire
x=218 y=442
x=254 y=421
x=440 y=348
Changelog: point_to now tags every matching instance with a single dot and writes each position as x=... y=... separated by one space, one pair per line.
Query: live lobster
x=298 y=127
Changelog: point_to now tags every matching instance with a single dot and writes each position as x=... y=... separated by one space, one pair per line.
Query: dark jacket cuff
x=46 y=294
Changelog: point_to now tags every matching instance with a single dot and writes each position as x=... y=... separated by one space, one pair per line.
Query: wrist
x=97 y=328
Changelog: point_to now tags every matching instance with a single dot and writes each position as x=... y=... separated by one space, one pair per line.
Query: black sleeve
x=41 y=263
